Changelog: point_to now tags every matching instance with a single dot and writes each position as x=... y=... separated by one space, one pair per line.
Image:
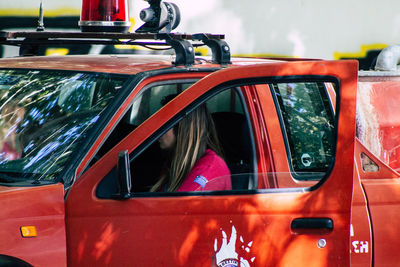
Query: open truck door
x=258 y=224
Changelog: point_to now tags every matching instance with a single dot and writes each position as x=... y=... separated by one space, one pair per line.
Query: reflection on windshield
x=45 y=115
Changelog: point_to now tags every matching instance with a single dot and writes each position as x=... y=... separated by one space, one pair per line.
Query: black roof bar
x=221 y=53
x=98 y=35
x=30 y=41
x=183 y=49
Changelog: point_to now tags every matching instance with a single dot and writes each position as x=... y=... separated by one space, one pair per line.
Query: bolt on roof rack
x=182 y=44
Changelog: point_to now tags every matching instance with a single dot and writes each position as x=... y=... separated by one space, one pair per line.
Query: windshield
x=45 y=116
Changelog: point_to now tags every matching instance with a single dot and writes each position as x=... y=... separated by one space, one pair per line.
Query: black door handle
x=312 y=224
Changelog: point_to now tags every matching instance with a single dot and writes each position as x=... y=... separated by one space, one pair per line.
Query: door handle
x=312 y=225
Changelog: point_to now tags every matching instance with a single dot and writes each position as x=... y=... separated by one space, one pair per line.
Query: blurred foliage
x=309 y=123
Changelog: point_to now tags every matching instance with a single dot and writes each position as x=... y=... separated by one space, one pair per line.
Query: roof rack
x=183 y=44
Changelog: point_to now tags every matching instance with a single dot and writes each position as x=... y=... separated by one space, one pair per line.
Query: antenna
x=40 y=26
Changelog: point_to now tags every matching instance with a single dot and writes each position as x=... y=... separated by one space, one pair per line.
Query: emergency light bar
x=113 y=16
x=106 y=22
x=104 y=16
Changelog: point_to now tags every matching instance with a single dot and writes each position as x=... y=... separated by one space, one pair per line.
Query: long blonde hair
x=194 y=134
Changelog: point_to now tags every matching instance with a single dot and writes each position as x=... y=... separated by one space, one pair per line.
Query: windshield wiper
x=12 y=177
x=5 y=178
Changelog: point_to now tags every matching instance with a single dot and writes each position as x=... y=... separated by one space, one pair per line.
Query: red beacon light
x=104 y=16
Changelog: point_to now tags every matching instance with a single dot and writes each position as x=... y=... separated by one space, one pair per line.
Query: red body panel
x=179 y=232
x=379 y=121
x=42 y=207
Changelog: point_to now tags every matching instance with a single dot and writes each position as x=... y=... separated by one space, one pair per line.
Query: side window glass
x=226 y=101
x=233 y=129
x=309 y=126
x=227 y=144
x=144 y=105
x=150 y=101
x=232 y=143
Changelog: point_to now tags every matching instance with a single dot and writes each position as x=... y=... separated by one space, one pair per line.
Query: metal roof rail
x=221 y=53
x=184 y=50
x=29 y=42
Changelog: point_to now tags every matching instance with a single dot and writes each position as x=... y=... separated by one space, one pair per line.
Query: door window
x=234 y=142
x=309 y=127
x=151 y=100
x=144 y=105
x=232 y=128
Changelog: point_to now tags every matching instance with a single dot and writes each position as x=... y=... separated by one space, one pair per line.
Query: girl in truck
x=194 y=162
x=12 y=115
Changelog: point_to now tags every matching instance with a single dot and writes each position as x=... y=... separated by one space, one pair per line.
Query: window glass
x=144 y=105
x=309 y=126
x=231 y=129
x=45 y=116
x=226 y=111
x=226 y=101
x=150 y=101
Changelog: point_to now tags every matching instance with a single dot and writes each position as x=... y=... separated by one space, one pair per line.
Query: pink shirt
x=209 y=173
x=9 y=153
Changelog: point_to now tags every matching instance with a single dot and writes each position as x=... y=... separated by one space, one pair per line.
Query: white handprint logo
x=227 y=256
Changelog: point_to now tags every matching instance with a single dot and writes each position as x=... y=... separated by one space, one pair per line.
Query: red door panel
x=41 y=207
x=260 y=228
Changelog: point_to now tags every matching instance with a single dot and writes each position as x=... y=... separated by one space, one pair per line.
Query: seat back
x=234 y=136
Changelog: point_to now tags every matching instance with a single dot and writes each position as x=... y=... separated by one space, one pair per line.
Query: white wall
x=301 y=28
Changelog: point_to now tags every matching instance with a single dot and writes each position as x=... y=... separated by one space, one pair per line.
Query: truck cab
x=81 y=155
x=65 y=191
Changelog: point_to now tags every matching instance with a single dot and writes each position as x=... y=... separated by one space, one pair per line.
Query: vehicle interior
x=230 y=117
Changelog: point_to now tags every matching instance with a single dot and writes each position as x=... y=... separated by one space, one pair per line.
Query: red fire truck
x=80 y=153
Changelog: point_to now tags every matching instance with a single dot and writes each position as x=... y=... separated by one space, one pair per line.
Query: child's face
x=167 y=141
x=12 y=114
